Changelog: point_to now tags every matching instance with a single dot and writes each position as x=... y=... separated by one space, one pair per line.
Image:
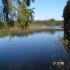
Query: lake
x=34 y=51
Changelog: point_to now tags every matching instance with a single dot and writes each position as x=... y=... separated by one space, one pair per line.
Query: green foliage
x=24 y=16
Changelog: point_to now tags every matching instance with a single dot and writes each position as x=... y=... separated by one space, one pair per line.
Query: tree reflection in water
x=58 y=64
x=62 y=64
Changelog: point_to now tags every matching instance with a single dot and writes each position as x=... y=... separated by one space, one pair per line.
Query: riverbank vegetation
x=15 y=31
x=50 y=22
x=34 y=23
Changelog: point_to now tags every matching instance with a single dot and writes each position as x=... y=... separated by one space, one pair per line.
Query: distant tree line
x=51 y=22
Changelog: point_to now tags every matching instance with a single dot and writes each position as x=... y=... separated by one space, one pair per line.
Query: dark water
x=35 y=51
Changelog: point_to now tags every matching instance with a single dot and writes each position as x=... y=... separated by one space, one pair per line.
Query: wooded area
x=16 y=12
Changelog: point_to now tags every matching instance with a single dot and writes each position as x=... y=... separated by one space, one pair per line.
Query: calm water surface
x=33 y=51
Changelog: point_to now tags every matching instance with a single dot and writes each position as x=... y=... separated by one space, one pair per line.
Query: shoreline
x=48 y=27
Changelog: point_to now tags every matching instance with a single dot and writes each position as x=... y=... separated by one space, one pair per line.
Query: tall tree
x=6 y=9
x=66 y=15
x=25 y=14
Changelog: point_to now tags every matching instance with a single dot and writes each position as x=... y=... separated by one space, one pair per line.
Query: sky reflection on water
x=33 y=49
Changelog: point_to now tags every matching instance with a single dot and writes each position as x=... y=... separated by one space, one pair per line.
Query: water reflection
x=34 y=50
x=7 y=32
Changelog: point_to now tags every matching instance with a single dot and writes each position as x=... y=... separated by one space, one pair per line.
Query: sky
x=0 y=5
x=47 y=9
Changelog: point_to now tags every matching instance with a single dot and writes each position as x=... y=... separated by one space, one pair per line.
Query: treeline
x=48 y=22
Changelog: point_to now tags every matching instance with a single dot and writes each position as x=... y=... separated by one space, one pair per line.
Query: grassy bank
x=16 y=31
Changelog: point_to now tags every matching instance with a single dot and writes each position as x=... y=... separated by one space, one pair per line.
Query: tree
x=24 y=12
x=66 y=15
x=6 y=8
x=25 y=16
